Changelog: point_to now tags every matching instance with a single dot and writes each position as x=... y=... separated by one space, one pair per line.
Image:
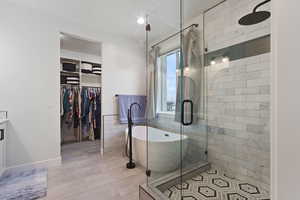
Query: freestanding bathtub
x=164 y=151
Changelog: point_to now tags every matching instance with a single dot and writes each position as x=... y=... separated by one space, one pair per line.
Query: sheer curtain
x=190 y=84
x=152 y=83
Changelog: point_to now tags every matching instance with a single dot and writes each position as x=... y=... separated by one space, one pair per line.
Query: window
x=167 y=80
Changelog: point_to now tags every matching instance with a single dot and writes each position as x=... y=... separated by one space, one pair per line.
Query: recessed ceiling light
x=213 y=62
x=141 y=20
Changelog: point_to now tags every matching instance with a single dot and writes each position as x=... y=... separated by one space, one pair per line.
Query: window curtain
x=190 y=83
x=152 y=83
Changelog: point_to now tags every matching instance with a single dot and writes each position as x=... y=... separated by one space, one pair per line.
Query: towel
x=138 y=115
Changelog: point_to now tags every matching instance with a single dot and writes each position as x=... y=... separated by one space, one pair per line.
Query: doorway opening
x=80 y=95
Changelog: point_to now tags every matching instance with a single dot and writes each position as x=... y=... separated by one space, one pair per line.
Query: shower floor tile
x=214 y=184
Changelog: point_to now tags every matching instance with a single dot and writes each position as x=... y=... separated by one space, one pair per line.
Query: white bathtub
x=163 y=148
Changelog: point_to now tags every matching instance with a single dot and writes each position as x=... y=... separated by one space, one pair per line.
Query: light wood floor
x=85 y=175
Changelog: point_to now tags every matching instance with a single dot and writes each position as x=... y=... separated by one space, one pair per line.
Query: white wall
x=123 y=73
x=29 y=85
x=29 y=78
x=286 y=99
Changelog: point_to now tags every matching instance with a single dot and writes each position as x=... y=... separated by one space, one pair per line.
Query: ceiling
x=119 y=16
x=72 y=43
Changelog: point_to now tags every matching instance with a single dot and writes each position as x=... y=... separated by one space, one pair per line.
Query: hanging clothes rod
x=72 y=85
x=80 y=86
x=91 y=87
x=173 y=35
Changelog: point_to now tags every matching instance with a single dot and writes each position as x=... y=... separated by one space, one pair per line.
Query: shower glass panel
x=177 y=131
x=163 y=71
x=194 y=85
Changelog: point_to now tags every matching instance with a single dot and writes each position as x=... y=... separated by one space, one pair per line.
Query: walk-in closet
x=80 y=92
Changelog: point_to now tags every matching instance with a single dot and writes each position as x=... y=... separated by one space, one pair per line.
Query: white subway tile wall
x=238 y=96
x=239 y=118
x=222 y=28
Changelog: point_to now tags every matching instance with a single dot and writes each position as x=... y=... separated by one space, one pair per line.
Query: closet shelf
x=92 y=63
x=69 y=60
x=89 y=73
x=67 y=72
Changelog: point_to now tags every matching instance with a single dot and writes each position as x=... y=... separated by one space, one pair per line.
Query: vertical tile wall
x=238 y=96
x=238 y=117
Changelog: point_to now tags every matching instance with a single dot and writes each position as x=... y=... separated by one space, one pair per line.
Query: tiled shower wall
x=238 y=96
x=238 y=117
x=221 y=28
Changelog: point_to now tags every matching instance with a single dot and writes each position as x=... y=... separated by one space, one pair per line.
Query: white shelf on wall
x=85 y=79
x=67 y=72
x=90 y=79
x=77 y=62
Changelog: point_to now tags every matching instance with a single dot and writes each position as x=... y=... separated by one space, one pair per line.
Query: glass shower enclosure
x=208 y=106
x=177 y=94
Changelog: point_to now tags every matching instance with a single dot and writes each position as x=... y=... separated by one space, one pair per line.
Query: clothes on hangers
x=89 y=105
x=85 y=106
x=68 y=106
x=97 y=123
x=76 y=110
x=69 y=113
x=80 y=108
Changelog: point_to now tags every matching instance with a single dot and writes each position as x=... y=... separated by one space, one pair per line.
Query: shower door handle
x=1 y=134
x=183 y=111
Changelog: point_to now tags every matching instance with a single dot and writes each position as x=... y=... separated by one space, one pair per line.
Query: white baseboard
x=44 y=163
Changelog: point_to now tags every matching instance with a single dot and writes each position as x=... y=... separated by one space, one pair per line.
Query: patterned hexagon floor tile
x=198 y=178
x=207 y=192
x=235 y=196
x=183 y=186
x=251 y=189
x=222 y=183
x=214 y=184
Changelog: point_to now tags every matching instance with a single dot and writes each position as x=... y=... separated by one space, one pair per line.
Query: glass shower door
x=176 y=91
x=163 y=77
x=194 y=89
x=163 y=133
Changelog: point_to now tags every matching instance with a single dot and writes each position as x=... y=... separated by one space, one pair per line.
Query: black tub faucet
x=131 y=164
x=129 y=114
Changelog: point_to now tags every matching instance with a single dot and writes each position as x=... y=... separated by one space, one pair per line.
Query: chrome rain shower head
x=256 y=16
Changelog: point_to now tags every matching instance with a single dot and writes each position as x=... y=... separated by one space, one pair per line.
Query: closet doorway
x=80 y=95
